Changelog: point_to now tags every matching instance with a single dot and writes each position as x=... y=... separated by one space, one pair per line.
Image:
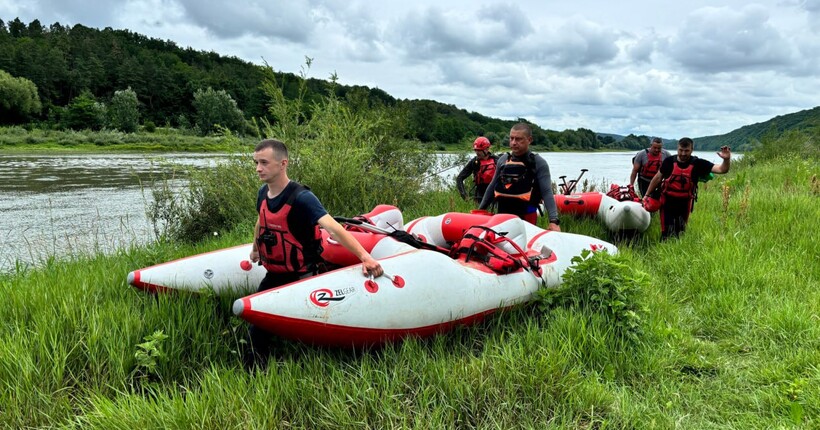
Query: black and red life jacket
x=283 y=249
x=653 y=163
x=681 y=183
x=517 y=179
x=484 y=170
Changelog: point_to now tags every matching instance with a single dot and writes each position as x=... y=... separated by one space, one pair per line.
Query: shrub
x=150 y=127
x=123 y=112
x=803 y=144
x=217 y=199
x=602 y=283
x=216 y=108
x=84 y=112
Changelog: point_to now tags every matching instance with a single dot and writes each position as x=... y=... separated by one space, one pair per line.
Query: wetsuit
x=536 y=179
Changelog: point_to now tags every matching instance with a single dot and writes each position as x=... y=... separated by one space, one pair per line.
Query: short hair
x=686 y=142
x=657 y=140
x=524 y=127
x=280 y=151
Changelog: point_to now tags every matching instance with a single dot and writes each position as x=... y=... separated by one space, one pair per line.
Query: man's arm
x=544 y=183
x=464 y=174
x=656 y=180
x=339 y=234
x=634 y=175
x=254 y=257
x=726 y=154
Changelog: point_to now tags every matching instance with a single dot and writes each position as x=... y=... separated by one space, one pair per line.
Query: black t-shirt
x=303 y=217
x=701 y=168
x=306 y=205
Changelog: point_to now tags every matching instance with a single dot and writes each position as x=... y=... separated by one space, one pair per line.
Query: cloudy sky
x=664 y=68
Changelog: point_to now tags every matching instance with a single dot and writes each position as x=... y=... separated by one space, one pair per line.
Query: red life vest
x=279 y=249
x=680 y=184
x=653 y=163
x=485 y=170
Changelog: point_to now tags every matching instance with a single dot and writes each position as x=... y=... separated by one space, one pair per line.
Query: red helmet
x=481 y=144
x=651 y=204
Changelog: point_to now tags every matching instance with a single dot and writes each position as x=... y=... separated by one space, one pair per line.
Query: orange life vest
x=279 y=249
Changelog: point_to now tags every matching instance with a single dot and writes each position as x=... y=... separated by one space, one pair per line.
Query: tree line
x=78 y=77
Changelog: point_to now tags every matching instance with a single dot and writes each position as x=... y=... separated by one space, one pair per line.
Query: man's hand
x=254 y=257
x=725 y=152
x=371 y=267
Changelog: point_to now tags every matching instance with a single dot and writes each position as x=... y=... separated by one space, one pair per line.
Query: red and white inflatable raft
x=228 y=270
x=619 y=213
x=481 y=264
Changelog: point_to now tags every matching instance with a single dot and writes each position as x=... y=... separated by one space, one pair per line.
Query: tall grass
x=731 y=340
x=730 y=337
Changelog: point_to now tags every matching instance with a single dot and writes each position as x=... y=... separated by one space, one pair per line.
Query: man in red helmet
x=482 y=167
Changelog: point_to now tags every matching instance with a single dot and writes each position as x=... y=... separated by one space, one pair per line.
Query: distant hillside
x=65 y=62
x=747 y=137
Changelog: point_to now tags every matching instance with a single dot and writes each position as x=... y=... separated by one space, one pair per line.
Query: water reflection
x=67 y=204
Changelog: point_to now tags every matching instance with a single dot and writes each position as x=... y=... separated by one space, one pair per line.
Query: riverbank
x=18 y=140
x=731 y=340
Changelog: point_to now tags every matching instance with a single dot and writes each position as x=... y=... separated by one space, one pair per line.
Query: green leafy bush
x=217 y=199
x=215 y=109
x=602 y=283
x=804 y=144
x=123 y=112
x=84 y=112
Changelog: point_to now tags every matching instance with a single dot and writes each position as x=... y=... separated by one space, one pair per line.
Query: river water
x=65 y=204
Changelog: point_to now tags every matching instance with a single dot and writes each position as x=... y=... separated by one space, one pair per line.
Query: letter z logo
x=323 y=297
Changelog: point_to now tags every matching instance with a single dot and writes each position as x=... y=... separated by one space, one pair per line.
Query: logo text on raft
x=322 y=297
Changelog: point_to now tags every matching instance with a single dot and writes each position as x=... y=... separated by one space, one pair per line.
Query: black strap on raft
x=399 y=235
x=490 y=254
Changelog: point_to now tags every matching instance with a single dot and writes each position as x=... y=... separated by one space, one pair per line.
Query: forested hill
x=67 y=64
x=746 y=137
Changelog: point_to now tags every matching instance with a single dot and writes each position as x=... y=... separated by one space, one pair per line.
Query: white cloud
x=288 y=20
x=685 y=68
x=578 y=43
x=714 y=40
x=434 y=32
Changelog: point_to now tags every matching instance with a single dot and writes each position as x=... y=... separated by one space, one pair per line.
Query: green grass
x=731 y=340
